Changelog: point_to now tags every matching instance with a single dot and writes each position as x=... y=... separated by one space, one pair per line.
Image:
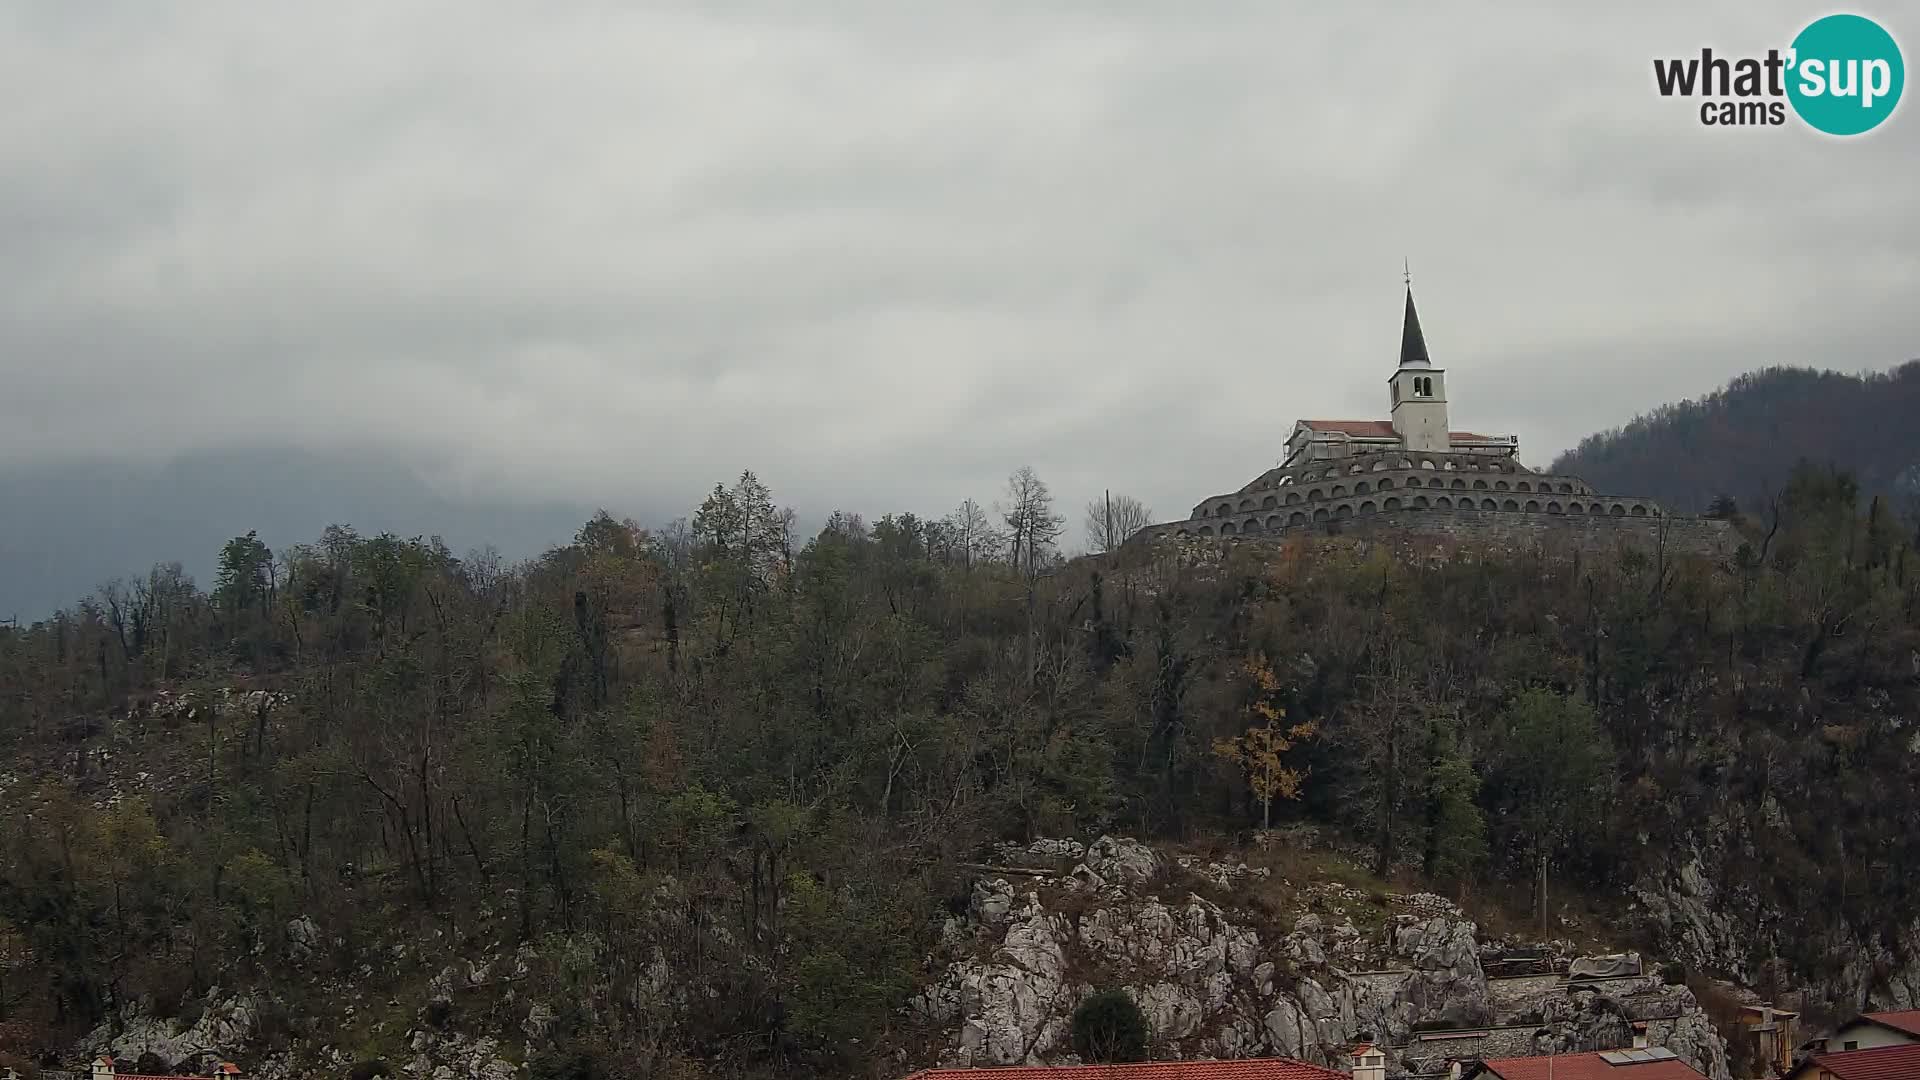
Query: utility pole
x=1543 y=897
x=1106 y=538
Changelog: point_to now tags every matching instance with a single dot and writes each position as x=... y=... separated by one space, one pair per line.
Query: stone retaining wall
x=1590 y=534
x=1518 y=993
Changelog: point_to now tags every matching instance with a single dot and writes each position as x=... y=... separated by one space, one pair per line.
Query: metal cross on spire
x=1408 y=274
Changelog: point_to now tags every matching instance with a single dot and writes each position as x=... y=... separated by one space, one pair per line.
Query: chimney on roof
x=1368 y=1062
x=102 y=1068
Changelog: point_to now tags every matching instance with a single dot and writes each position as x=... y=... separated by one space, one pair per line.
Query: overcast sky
x=885 y=252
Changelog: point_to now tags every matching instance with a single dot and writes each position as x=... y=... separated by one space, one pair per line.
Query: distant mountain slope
x=1744 y=439
x=67 y=528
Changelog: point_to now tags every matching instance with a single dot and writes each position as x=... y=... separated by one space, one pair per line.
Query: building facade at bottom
x=1901 y=1062
x=1645 y=1064
x=1366 y=1063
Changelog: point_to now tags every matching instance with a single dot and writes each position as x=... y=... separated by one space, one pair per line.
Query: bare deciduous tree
x=1111 y=519
x=973 y=533
x=1032 y=527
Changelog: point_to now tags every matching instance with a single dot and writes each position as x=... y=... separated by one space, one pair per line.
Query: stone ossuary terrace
x=1371 y=481
x=1415 y=474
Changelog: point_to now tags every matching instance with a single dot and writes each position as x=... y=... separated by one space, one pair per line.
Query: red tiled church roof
x=1365 y=428
x=1243 y=1069
x=1880 y=1063
x=1378 y=429
x=1586 y=1067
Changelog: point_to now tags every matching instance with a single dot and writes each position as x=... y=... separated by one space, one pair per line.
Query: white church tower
x=1419 y=391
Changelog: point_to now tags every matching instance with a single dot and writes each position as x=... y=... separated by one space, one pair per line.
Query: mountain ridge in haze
x=68 y=527
x=1744 y=439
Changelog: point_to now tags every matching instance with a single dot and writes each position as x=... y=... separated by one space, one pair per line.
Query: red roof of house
x=1587 y=1067
x=1907 y=1020
x=227 y=1068
x=1880 y=1063
x=1379 y=429
x=1372 y=428
x=1243 y=1069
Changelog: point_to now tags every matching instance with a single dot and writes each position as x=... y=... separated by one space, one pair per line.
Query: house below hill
x=1368 y=1064
x=1647 y=1064
x=1899 y=1062
x=1871 y=1031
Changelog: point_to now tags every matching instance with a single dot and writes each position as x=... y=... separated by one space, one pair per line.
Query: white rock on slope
x=1209 y=985
x=1123 y=860
x=223 y=1029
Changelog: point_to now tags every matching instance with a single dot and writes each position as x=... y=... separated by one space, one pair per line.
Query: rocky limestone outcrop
x=303 y=939
x=1023 y=957
x=224 y=1027
x=458 y=1057
x=1119 y=861
x=1731 y=932
x=227 y=702
x=1041 y=849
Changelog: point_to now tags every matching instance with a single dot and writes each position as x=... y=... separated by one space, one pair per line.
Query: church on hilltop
x=1418 y=415
x=1413 y=473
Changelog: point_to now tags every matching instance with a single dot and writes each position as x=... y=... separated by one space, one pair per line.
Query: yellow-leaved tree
x=1258 y=750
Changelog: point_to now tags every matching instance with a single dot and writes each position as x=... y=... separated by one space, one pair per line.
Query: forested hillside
x=695 y=801
x=1743 y=441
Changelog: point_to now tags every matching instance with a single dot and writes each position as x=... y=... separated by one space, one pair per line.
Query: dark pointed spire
x=1413 y=344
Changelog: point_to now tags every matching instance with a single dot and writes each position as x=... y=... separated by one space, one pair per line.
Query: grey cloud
x=885 y=253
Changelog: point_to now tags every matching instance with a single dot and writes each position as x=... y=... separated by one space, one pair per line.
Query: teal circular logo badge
x=1846 y=74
